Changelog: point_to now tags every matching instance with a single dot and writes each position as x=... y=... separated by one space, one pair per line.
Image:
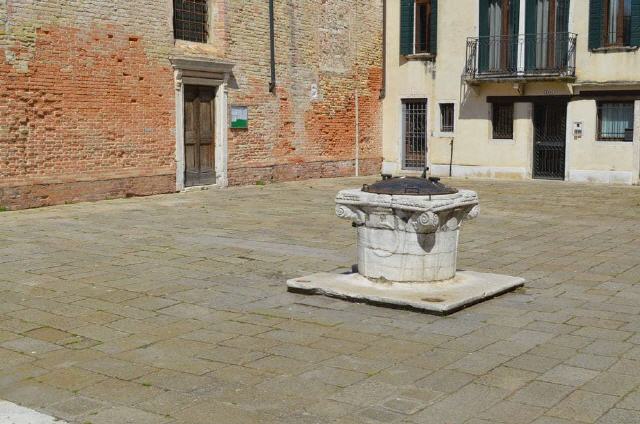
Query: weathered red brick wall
x=87 y=97
x=333 y=46
x=86 y=108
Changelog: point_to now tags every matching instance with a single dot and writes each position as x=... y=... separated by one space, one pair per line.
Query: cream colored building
x=513 y=89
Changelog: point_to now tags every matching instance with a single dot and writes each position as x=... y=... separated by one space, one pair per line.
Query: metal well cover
x=411 y=186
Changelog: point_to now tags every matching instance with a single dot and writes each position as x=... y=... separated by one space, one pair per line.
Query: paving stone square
x=173 y=309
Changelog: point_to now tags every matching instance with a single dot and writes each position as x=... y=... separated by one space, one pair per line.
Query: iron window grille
x=423 y=11
x=615 y=121
x=414 y=133
x=190 y=19
x=617 y=23
x=446 y=117
x=502 y=121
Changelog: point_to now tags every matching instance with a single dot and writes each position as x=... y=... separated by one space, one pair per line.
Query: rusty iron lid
x=412 y=186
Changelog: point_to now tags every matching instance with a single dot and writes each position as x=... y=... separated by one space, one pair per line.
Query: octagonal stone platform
x=440 y=298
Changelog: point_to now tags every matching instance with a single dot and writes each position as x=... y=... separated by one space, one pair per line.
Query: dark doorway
x=199 y=135
x=549 y=141
x=414 y=132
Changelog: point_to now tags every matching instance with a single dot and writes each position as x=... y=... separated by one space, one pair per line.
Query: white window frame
x=426 y=55
x=211 y=14
x=600 y=140
x=438 y=131
x=401 y=110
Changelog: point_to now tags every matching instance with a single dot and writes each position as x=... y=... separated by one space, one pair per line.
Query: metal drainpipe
x=357 y=133
x=357 y=99
x=272 y=39
x=451 y=158
x=383 y=89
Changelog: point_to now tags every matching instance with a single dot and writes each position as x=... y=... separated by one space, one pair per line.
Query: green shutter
x=563 y=16
x=635 y=23
x=562 y=38
x=530 y=30
x=595 y=23
x=514 y=28
x=483 y=41
x=406 y=26
x=433 y=28
x=514 y=17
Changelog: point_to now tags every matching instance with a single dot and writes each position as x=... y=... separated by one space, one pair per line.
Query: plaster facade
x=470 y=151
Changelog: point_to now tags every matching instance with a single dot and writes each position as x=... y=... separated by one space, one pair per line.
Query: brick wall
x=87 y=98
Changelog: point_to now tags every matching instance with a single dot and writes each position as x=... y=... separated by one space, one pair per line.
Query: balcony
x=521 y=58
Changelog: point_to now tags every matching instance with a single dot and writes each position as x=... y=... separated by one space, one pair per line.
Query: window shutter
x=483 y=33
x=514 y=29
x=406 y=26
x=531 y=23
x=563 y=16
x=635 y=23
x=562 y=39
x=514 y=17
x=433 y=28
x=595 y=24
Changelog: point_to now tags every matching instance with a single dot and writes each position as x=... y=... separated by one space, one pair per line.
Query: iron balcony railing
x=521 y=56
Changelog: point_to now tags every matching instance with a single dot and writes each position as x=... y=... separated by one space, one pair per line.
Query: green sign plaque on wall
x=239 y=117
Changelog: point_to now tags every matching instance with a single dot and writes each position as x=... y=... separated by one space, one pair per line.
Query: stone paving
x=173 y=309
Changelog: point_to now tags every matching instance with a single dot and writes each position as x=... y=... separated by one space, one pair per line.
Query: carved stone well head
x=407 y=227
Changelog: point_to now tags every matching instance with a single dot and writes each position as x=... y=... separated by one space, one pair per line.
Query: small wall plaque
x=239 y=117
x=577 y=130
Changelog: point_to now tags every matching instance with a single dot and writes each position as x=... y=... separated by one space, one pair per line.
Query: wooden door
x=199 y=136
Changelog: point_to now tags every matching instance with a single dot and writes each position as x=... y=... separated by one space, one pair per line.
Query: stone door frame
x=210 y=73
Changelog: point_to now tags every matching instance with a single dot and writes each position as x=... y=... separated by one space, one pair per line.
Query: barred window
x=446 y=117
x=190 y=20
x=414 y=131
x=502 y=120
x=615 y=121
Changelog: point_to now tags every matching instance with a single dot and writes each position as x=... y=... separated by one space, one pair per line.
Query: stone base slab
x=10 y=413
x=441 y=298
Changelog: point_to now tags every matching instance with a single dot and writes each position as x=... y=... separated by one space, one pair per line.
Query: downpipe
x=383 y=89
x=357 y=133
x=357 y=102
x=451 y=158
x=272 y=41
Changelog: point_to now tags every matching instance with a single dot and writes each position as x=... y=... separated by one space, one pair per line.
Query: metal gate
x=549 y=143
x=414 y=133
